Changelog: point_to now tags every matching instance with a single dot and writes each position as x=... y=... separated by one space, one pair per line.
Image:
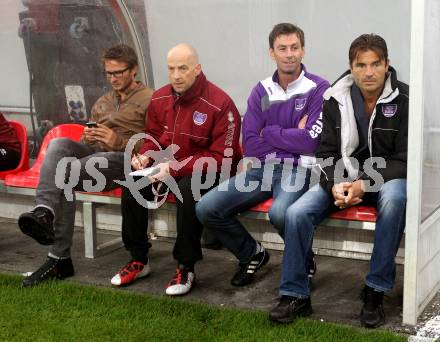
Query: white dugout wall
x=422 y=251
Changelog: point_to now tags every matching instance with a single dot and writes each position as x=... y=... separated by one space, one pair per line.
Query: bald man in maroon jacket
x=201 y=119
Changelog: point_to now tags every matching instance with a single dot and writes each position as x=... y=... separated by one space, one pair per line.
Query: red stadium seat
x=356 y=213
x=20 y=131
x=111 y=193
x=263 y=207
x=29 y=178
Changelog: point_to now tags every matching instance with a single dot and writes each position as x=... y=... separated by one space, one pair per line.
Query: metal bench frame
x=91 y=201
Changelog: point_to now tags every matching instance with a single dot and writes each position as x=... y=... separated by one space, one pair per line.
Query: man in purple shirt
x=281 y=131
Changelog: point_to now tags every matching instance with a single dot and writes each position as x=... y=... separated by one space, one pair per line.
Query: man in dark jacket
x=196 y=122
x=362 y=155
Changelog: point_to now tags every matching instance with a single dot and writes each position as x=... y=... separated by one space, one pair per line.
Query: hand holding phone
x=88 y=132
x=91 y=124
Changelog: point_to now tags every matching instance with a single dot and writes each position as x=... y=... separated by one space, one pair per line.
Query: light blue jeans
x=218 y=208
x=306 y=213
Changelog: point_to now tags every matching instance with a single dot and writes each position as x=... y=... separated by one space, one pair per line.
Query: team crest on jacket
x=300 y=103
x=389 y=110
x=199 y=118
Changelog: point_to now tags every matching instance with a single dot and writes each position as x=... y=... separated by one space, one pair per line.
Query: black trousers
x=9 y=159
x=187 y=248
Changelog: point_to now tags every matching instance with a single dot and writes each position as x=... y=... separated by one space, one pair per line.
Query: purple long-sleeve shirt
x=272 y=117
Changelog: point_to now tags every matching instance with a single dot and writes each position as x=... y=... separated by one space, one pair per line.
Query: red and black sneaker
x=130 y=272
x=182 y=282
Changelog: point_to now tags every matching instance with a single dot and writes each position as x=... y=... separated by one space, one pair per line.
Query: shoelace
x=180 y=277
x=130 y=267
x=285 y=300
x=371 y=299
x=42 y=215
x=47 y=267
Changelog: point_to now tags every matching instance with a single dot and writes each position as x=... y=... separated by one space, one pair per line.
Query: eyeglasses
x=117 y=73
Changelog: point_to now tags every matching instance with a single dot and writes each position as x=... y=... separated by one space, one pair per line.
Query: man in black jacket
x=362 y=156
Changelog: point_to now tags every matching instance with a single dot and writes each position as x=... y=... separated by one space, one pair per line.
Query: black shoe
x=246 y=272
x=289 y=308
x=311 y=268
x=372 y=313
x=51 y=269
x=38 y=225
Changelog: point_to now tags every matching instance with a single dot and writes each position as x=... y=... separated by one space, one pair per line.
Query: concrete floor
x=335 y=297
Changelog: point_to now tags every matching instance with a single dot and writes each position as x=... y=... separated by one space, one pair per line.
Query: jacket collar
x=194 y=92
x=342 y=86
x=276 y=77
x=139 y=86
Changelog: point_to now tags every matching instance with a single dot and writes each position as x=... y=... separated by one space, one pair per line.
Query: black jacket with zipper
x=387 y=132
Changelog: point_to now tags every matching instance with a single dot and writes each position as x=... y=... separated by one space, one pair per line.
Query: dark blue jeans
x=314 y=206
x=217 y=209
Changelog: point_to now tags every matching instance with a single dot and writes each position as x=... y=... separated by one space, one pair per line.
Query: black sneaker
x=37 y=224
x=372 y=313
x=51 y=269
x=246 y=272
x=289 y=308
x=311 y=266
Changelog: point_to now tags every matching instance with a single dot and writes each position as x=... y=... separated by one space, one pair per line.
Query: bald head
x=183 y=67
x=184 y=51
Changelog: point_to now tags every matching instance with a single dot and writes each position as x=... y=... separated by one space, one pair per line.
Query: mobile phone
x=91 y=124
x=149 y=171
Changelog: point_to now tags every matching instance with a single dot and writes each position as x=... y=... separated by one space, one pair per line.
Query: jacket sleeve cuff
x=119 y=144
x=327 y=185
x=174 y=172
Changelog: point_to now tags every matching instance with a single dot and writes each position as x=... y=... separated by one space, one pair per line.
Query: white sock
x=53 y=256
x=45 y=206
x=259 y=248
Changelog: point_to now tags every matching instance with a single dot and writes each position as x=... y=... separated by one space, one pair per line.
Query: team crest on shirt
x=199 y=118
x=389 y=110
x=300 y=103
